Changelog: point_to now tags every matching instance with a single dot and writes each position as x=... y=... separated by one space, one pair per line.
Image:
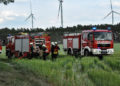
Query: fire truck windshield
x=103 y=36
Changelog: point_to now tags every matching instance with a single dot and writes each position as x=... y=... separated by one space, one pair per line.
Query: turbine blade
x=116 y=12
x=31 y=6
x=107 y=15
x=111 y=5
x=28 y=17
x=59 y=10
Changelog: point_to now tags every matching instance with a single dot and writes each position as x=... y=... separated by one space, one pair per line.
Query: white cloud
x=116 y=3
x=10 y=15
x=54 y=21
x=21 y=0
x=1 y=20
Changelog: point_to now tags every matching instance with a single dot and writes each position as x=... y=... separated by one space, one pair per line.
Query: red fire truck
x=95 y=42
x=24 y=45
x=0 y=46
x=44 y=39
x=18 y=45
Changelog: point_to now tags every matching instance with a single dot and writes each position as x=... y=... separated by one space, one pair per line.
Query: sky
x=84 y=12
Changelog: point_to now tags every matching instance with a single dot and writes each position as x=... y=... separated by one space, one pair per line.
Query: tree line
x=6 y=1
x=57 y=33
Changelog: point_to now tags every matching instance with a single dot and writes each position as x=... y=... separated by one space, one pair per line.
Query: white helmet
x=44 y=45
x=31 y=43
x=52 y=43
x=56 y=43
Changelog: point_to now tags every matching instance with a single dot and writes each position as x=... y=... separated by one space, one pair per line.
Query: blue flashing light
x=9 y=35
x=109 y=28
x=94 y=28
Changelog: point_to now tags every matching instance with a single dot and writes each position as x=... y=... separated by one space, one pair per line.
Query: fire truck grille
x=103 y=45
x=104 y=52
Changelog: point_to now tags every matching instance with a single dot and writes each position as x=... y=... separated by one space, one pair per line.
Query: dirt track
x=13 y=75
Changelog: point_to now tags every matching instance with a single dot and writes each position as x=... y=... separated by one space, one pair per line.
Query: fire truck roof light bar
x=109 y=28
x=94 y=28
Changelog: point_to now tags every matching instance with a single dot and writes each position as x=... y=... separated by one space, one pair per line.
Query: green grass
x=68 y=71
x=5 y=67
x=104 y=78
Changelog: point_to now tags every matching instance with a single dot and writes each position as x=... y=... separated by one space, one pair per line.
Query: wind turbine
x=112 y=12
x=60 y=10
x=31 y=15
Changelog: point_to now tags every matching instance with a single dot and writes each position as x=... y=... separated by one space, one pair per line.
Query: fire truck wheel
x=100 y=57
x=86 y=53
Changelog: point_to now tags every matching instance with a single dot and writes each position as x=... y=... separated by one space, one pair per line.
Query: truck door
x=18 y=45
x=70 y=43
x=76 y=43
x=84 y=40
x=90 y=40
x=22 y=45
x=65 y=43
x=25 y=45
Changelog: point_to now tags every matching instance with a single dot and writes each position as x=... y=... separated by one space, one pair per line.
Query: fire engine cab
x=44 y=39
x=95 y=42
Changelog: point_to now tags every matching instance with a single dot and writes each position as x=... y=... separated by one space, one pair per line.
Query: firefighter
x=32 y=49
x=56 y=48
x=52 y=50
x=44 y=52
x=40 y=49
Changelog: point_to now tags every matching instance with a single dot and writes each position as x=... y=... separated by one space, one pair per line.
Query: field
x=65 y=71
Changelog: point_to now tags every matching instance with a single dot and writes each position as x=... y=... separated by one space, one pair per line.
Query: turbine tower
x=31 y=16
x=112 y=12
x=60 y=10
